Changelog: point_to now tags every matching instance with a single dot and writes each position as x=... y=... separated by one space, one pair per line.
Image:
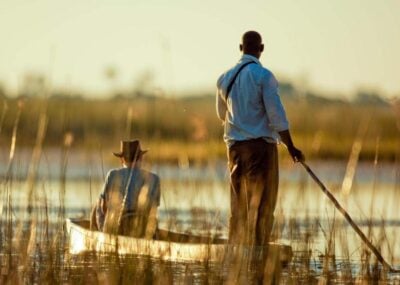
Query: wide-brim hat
x=130 y=150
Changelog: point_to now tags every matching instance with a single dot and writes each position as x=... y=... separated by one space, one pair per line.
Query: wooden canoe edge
x=81 y=239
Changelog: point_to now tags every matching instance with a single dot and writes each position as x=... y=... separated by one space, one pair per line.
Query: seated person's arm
x=151 y=226
x=152 y=222
x=101 y=205
x=100 y=213
x=93 y=218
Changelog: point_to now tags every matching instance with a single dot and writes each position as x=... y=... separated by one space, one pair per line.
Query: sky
x=337 y=46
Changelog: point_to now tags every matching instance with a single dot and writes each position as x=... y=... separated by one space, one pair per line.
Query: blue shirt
x=139 y=187
x=253 y=108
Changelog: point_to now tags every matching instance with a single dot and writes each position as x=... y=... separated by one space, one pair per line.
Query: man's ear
x=241 y=47
x=262 y=48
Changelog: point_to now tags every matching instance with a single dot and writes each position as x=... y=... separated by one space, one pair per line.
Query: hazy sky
x=334 y=45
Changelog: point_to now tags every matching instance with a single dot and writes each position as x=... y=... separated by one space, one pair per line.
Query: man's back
x=129 y=192
x=253 y=108
x=141 y=188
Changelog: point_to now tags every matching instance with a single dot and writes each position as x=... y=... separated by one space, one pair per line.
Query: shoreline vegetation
x=186 y=128
x=33 y=247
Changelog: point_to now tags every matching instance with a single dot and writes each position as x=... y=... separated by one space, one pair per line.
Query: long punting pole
x=349 y=219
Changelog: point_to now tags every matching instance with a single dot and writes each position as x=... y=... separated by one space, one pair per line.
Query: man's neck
x=256 y=55
x=131 y=165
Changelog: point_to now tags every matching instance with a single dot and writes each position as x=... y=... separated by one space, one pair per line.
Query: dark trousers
x=253 y=166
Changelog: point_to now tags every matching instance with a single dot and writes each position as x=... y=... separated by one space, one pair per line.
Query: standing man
x=254 y=120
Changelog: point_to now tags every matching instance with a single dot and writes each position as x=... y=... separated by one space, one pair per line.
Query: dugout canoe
x=168 y=245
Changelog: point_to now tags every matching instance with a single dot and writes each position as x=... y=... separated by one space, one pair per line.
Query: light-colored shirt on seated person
x=140 y=187
x=253 y=108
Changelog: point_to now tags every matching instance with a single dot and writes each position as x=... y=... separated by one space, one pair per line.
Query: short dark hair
x=251 y=41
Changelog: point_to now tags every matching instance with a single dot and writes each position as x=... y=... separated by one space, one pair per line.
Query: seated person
x=130 y=197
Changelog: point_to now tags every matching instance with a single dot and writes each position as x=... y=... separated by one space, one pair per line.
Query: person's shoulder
x=265 y=71
x=149 y=175
x=227 y=74
x=221 y=79
x=112 y=172
x=118 y=172
x=268 y=77
x=115 y=171
x=111 y=176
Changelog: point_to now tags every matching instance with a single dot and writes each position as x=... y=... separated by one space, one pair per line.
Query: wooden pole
x=374 y=250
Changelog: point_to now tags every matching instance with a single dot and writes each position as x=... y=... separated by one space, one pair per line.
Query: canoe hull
x=82 y=239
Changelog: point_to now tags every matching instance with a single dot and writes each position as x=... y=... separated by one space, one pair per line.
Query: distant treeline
x=322 y=127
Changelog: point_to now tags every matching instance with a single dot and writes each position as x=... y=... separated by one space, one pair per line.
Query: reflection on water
x=108 y=269
x=374 y=193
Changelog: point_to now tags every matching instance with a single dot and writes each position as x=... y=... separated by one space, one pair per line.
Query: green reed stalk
x=27 y=238
x=354 y=157
x=68 y=139
x=129 y=119
x=6 y=244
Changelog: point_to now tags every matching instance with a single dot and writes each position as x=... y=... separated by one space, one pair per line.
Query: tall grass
x=33 y=248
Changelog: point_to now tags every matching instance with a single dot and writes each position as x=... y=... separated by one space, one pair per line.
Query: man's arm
x=220 y=100
x=100 y=213
x=152 y=222
x=151 y=226
x=220 y=106
x=277 y=115
x=295 y=153
x=101 y=205
x=93 y=218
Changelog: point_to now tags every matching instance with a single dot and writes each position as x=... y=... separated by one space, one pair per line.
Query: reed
x=3 y=114
x=7 y=230
x=33 y=248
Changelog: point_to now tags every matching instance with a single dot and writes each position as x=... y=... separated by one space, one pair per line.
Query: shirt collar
x=247 y=57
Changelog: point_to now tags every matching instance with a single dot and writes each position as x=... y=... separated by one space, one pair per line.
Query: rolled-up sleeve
x=273 y=105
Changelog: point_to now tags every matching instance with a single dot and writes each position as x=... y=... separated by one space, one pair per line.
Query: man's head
x=130 y=152
x=252 y=44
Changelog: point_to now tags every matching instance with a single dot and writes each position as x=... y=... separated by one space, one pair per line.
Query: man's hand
x=295 y=153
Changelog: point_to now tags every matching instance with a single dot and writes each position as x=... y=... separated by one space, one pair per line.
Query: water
x=195 y=198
